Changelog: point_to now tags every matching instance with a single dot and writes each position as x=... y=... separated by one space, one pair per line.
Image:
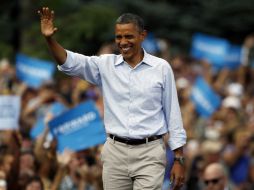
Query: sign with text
x=10 y=111
x=204 y=98
x=78 y=128
x=33 y=72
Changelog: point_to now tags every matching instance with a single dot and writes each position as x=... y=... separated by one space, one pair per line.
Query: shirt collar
x=119 y=60
x=146 y=59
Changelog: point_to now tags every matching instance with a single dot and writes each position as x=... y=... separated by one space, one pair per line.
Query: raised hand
x=64 y=158
x=47 y=25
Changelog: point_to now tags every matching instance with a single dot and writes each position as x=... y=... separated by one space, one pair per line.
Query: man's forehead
x=126 y=26
x=212 y=173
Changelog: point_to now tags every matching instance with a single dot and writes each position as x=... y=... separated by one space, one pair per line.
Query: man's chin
x=125 y=55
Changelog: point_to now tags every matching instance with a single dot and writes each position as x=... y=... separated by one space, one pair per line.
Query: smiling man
x=129 y=37
x=140 y=106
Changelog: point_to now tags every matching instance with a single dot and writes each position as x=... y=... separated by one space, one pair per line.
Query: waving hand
x=47 y=25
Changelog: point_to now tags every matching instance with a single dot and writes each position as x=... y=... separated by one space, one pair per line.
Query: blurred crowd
x=221 y=145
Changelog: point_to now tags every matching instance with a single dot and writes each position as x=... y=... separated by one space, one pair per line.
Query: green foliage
x=5 y=50
x=7 y=29
x=85 y=30
x=178 y=20
x=85 y=24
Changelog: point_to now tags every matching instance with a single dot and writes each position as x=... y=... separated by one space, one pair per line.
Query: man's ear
x=143 y=34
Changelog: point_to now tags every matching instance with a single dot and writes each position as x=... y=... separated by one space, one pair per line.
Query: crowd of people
x=219 y=150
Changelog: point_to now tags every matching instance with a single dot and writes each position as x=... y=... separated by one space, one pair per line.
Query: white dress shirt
x=138 y=102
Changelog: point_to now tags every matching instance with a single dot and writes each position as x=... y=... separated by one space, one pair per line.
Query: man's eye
x=128 y=36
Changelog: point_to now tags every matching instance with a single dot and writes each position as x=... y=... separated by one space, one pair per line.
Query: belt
x=135 y=141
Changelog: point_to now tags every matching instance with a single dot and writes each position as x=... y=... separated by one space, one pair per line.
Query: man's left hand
x=177 y=177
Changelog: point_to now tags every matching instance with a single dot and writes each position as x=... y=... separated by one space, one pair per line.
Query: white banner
x=9 y=112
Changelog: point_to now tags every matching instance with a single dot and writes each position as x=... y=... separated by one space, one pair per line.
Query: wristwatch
x=180 y=159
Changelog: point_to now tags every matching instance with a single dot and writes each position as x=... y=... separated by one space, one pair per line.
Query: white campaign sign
x=9 y=112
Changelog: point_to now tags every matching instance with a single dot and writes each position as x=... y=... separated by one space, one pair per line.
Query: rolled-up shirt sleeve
x=172 y=111
x=85 y=67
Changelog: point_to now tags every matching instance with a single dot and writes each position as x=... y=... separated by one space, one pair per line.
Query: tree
x=85 y=24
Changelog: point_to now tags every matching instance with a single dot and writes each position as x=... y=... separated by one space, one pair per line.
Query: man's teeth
x=125 y=49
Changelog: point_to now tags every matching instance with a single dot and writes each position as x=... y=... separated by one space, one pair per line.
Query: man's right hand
x=47 y=26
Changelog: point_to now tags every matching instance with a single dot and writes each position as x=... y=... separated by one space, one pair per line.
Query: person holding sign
x=140 y=103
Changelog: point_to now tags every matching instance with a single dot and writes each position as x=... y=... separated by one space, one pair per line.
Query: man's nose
x=209 y=187
x=123 y=41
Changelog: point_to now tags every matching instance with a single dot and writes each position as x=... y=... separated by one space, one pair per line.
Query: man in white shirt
x=140 y=106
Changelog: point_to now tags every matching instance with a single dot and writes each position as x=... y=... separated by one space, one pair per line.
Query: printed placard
x=10 y=111
x=33 y=72
x=78 y=128
x=205 y=99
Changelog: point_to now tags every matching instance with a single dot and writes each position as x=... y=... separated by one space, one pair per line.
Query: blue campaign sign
x=37 y=128
x=33 y=71
x=150 y=44
x=233 y=57
x=78 y=128
x=204 y=98
x=210 y=48
x=55 y=109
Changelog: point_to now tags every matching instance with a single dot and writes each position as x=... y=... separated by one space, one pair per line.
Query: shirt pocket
x=152 y=98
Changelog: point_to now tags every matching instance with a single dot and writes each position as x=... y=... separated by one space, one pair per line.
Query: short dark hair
x=128 y=18
x=34 y=179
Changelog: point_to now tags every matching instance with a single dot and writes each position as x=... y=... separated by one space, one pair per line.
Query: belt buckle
x=131 y=141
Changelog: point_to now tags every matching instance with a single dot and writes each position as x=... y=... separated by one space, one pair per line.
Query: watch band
x=180 y=159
